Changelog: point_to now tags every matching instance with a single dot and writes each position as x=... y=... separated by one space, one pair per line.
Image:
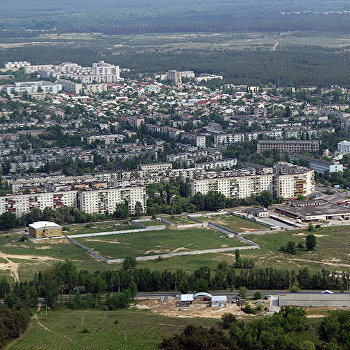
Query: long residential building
x=284 y=180
x=288 y=146
x=91 y=201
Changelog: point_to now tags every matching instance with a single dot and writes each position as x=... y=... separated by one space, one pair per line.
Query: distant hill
x=147 y=16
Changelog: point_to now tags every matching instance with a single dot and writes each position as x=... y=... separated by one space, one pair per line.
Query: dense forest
x=134 y=16
x=291 y=66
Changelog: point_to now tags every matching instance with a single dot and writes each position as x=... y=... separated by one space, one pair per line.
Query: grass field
x=179 y=220
x=100 y=227
x=332 y=250
x=236 y=223
x=136 y=329
x=26 y=258
x=158 y=242
x=150 y=223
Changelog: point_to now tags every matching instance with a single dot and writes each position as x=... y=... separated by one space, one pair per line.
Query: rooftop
x=43 y=224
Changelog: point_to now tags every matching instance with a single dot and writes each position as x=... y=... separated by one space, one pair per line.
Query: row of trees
x=174 y=198
x=285 y=330
x=64 y=278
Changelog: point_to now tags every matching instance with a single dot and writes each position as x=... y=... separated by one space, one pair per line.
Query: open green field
x=158 y=242
x=150 y=223
x=136 y=329
x=179 y=220
x=20 y=260
x=235 y=223
x=332 y=250
x=100 y=227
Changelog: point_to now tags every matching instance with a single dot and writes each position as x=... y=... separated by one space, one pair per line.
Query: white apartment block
x=234 y=186
x=156 y=167
x=344 y=146
x=286 y=180
x=23 y=204
x=105 y=200
x=70 y=86
x=201 y=141
x=220 y=164
x=94 y=201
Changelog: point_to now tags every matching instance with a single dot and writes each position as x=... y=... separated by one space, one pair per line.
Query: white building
x=344 y=146
x=285 y=180
x=46 y=87
x=70 y=86
x=156 y=167
x=106 y=200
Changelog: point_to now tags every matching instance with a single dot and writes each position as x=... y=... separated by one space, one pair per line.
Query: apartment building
x=156 y=167
x=293 y=180
x=70 y=86
x=105 y=200
x=234 y=186
x=284 y=180
x=344 y=147
x=23 y=204
x=94 y=201
x=174 y=76
x=288 y=146
x=33 y=87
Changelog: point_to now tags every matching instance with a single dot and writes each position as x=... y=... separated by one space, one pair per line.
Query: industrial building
x=45 y=229
x=314 y=210
x=324 y=299
x=318 y=165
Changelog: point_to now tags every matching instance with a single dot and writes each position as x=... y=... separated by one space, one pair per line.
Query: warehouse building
x=315 y=210
x=45 y=229
x=324 y=299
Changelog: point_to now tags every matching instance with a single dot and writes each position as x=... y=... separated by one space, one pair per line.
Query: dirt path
x=13 y=266
x=36 y=318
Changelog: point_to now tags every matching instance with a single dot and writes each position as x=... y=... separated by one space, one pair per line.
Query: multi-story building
x=34 y=87
x=344 y=146
x=174 y=76
x=23 y=204
x=105 y=200
x=157 y=167
x=293 y=180
x=288 y=146
x=91 y=201
x=284 y=180
x=70 y=86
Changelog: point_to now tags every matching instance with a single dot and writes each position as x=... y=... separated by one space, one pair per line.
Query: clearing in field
x=235 y=223
x=158 y=242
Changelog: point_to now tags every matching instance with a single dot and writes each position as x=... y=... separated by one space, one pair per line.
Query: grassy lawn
x=236 y=223
x=179 y=220
x=151 y=223
x=33 y=256
x=332 y=249
x=158 y=242
x=100 y=227
x=136 y=329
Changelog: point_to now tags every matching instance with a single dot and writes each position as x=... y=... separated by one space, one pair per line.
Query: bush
x=248 y=309
x=227 y=320
x=257 y=295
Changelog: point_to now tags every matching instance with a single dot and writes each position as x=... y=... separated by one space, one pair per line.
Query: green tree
x=129 y=263
x=290 y=248
x=310 y=242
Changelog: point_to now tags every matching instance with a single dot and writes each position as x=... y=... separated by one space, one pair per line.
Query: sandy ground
x=14 y=266
x=227 y=224
x=170 y=308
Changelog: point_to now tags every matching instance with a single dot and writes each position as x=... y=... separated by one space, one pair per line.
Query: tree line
x=286 y=330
